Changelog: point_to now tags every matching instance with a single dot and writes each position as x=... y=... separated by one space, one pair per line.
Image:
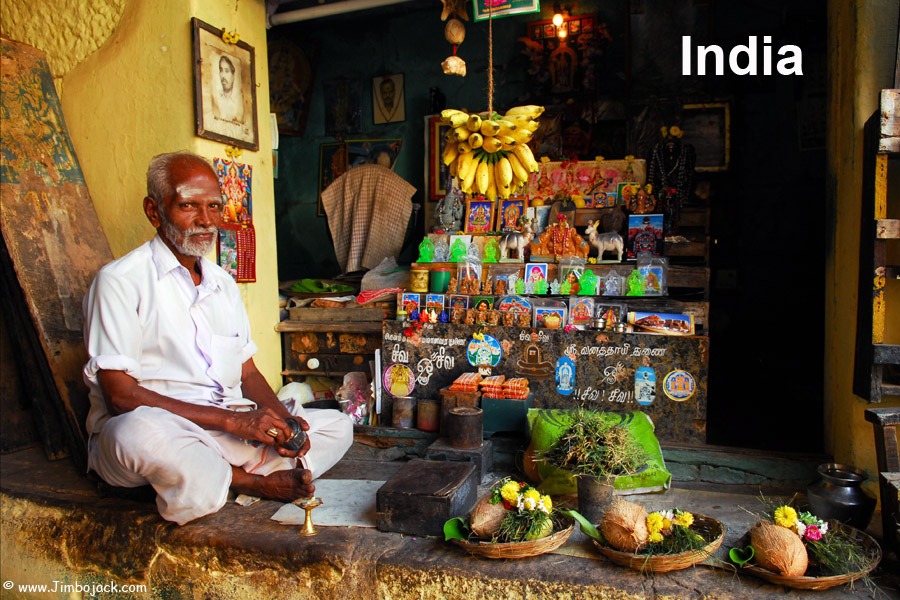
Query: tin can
x=428 y=414
x=598 y=323
x=404 y=412
x=439 y=280
x=418 y=278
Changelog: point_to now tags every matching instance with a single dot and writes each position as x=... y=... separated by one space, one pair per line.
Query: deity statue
x=426 y=251
x=458 y=251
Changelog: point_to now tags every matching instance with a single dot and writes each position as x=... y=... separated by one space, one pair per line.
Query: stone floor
x=56 y=528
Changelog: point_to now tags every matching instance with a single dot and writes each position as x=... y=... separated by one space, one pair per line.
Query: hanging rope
x=490 y=61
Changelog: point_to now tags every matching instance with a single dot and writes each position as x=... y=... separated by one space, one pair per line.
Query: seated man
x=176 y=400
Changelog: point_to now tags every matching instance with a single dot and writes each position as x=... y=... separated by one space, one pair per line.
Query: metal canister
x=598 y=323
x=404 y=412
x=418 y=278
x=428 y=414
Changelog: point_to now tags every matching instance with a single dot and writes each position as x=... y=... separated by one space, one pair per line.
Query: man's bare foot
x=285 y=486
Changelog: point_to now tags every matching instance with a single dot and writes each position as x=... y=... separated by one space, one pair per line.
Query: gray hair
x=159 y=184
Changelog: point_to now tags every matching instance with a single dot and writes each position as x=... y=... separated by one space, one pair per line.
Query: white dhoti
x=190 y=467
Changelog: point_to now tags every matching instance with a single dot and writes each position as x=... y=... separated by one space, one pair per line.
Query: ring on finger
x=272 y=431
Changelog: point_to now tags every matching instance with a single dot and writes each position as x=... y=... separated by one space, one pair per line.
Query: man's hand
x=267 y=426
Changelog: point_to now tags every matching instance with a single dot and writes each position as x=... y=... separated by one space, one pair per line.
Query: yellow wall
x=123 y=71
x=862 y=42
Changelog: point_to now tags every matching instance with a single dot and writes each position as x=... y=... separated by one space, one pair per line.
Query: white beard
x=182 y=239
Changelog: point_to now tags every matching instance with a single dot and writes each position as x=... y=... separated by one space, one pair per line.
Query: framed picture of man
x=224 y=88
x=388 y=99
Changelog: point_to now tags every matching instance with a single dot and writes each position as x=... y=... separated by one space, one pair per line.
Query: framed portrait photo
x=224 y=88
x=437 y=174
x=388 y=99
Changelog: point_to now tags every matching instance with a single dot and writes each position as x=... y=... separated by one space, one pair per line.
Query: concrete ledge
x=54 y=527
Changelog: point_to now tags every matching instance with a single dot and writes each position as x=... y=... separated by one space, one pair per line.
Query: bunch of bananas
x=490 y=155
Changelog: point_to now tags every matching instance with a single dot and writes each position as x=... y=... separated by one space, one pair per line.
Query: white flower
x=801 y=528
x=823 y=527
x=542 y=508
x=529 y=503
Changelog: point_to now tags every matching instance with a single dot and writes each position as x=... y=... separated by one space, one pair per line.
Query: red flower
x=813 y=533
x=507 y=505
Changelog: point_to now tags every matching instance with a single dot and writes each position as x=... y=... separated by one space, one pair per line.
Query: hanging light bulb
x=557 y=15
x=562 y=32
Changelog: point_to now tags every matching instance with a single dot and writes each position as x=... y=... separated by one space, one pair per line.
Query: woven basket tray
x=707 y=527
x=873 y=550
x=518 y=549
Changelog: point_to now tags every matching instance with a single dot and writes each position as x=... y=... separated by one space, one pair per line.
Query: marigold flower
x=654 y=522
x=785 y=516
x=532 y=494
x=666 y=524
x=656 y=537
x=685 y=519
x=548 y=503
x=510 y=492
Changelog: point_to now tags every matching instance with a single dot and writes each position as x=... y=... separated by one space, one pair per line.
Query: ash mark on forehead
x=192 y=191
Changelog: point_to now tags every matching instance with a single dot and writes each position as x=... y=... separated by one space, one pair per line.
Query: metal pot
x=839 y=495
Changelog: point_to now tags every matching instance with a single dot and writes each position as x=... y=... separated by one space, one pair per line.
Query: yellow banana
x=445 y=114
x=530 y=110
x=457 y=119
x=461 y=133
x=491 y=192
x=451 y=151
x=519 y=171
x=469 y=179
x=454 y=169
x=522 y=135
x=523 y=153
x=474 y=123
x=489 y=128
x=475 y=140
x=463 y=148
x=503 y=172
x=466 y=162
x=506 y=127
x=506 y=140
x=491 y=144
x=482 y=177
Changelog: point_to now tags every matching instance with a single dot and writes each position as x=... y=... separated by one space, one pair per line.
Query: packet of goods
x=467 y=382
x=493 y=386
x=516 y=388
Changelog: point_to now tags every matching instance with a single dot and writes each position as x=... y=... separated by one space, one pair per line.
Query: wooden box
x=424 y=494
x=452 y=399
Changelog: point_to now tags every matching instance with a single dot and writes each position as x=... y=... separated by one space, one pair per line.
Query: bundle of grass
x=624 y=525
x=592 y=445
x=778 y=549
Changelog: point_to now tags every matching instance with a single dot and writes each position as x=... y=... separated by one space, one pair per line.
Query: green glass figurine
x=520 y=286
x=587 y=283
x=540 y=286
x=491 y=250
x=426 y=251
x=566 y=288
x=458 y=251
x=635 y=283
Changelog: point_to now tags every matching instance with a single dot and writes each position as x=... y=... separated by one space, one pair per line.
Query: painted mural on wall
x=599 y=370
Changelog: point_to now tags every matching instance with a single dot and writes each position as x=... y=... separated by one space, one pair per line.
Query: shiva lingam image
x=308 y=504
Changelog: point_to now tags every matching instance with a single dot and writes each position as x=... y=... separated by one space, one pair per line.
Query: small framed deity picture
x=626 y=191
x=479 y=216
x=535 y=271
x=483 y=303
x=224 y=88
x=388 y=99
x=435 y=301
x=410 y=301
x=613 y=313
x=458 y=301
x=645 y=234
x=509 y=210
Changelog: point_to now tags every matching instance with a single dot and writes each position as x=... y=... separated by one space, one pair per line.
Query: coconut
x=545 y=530
x=485 y=518
x=624 y=525
x=455 y=31
x=778 y=549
